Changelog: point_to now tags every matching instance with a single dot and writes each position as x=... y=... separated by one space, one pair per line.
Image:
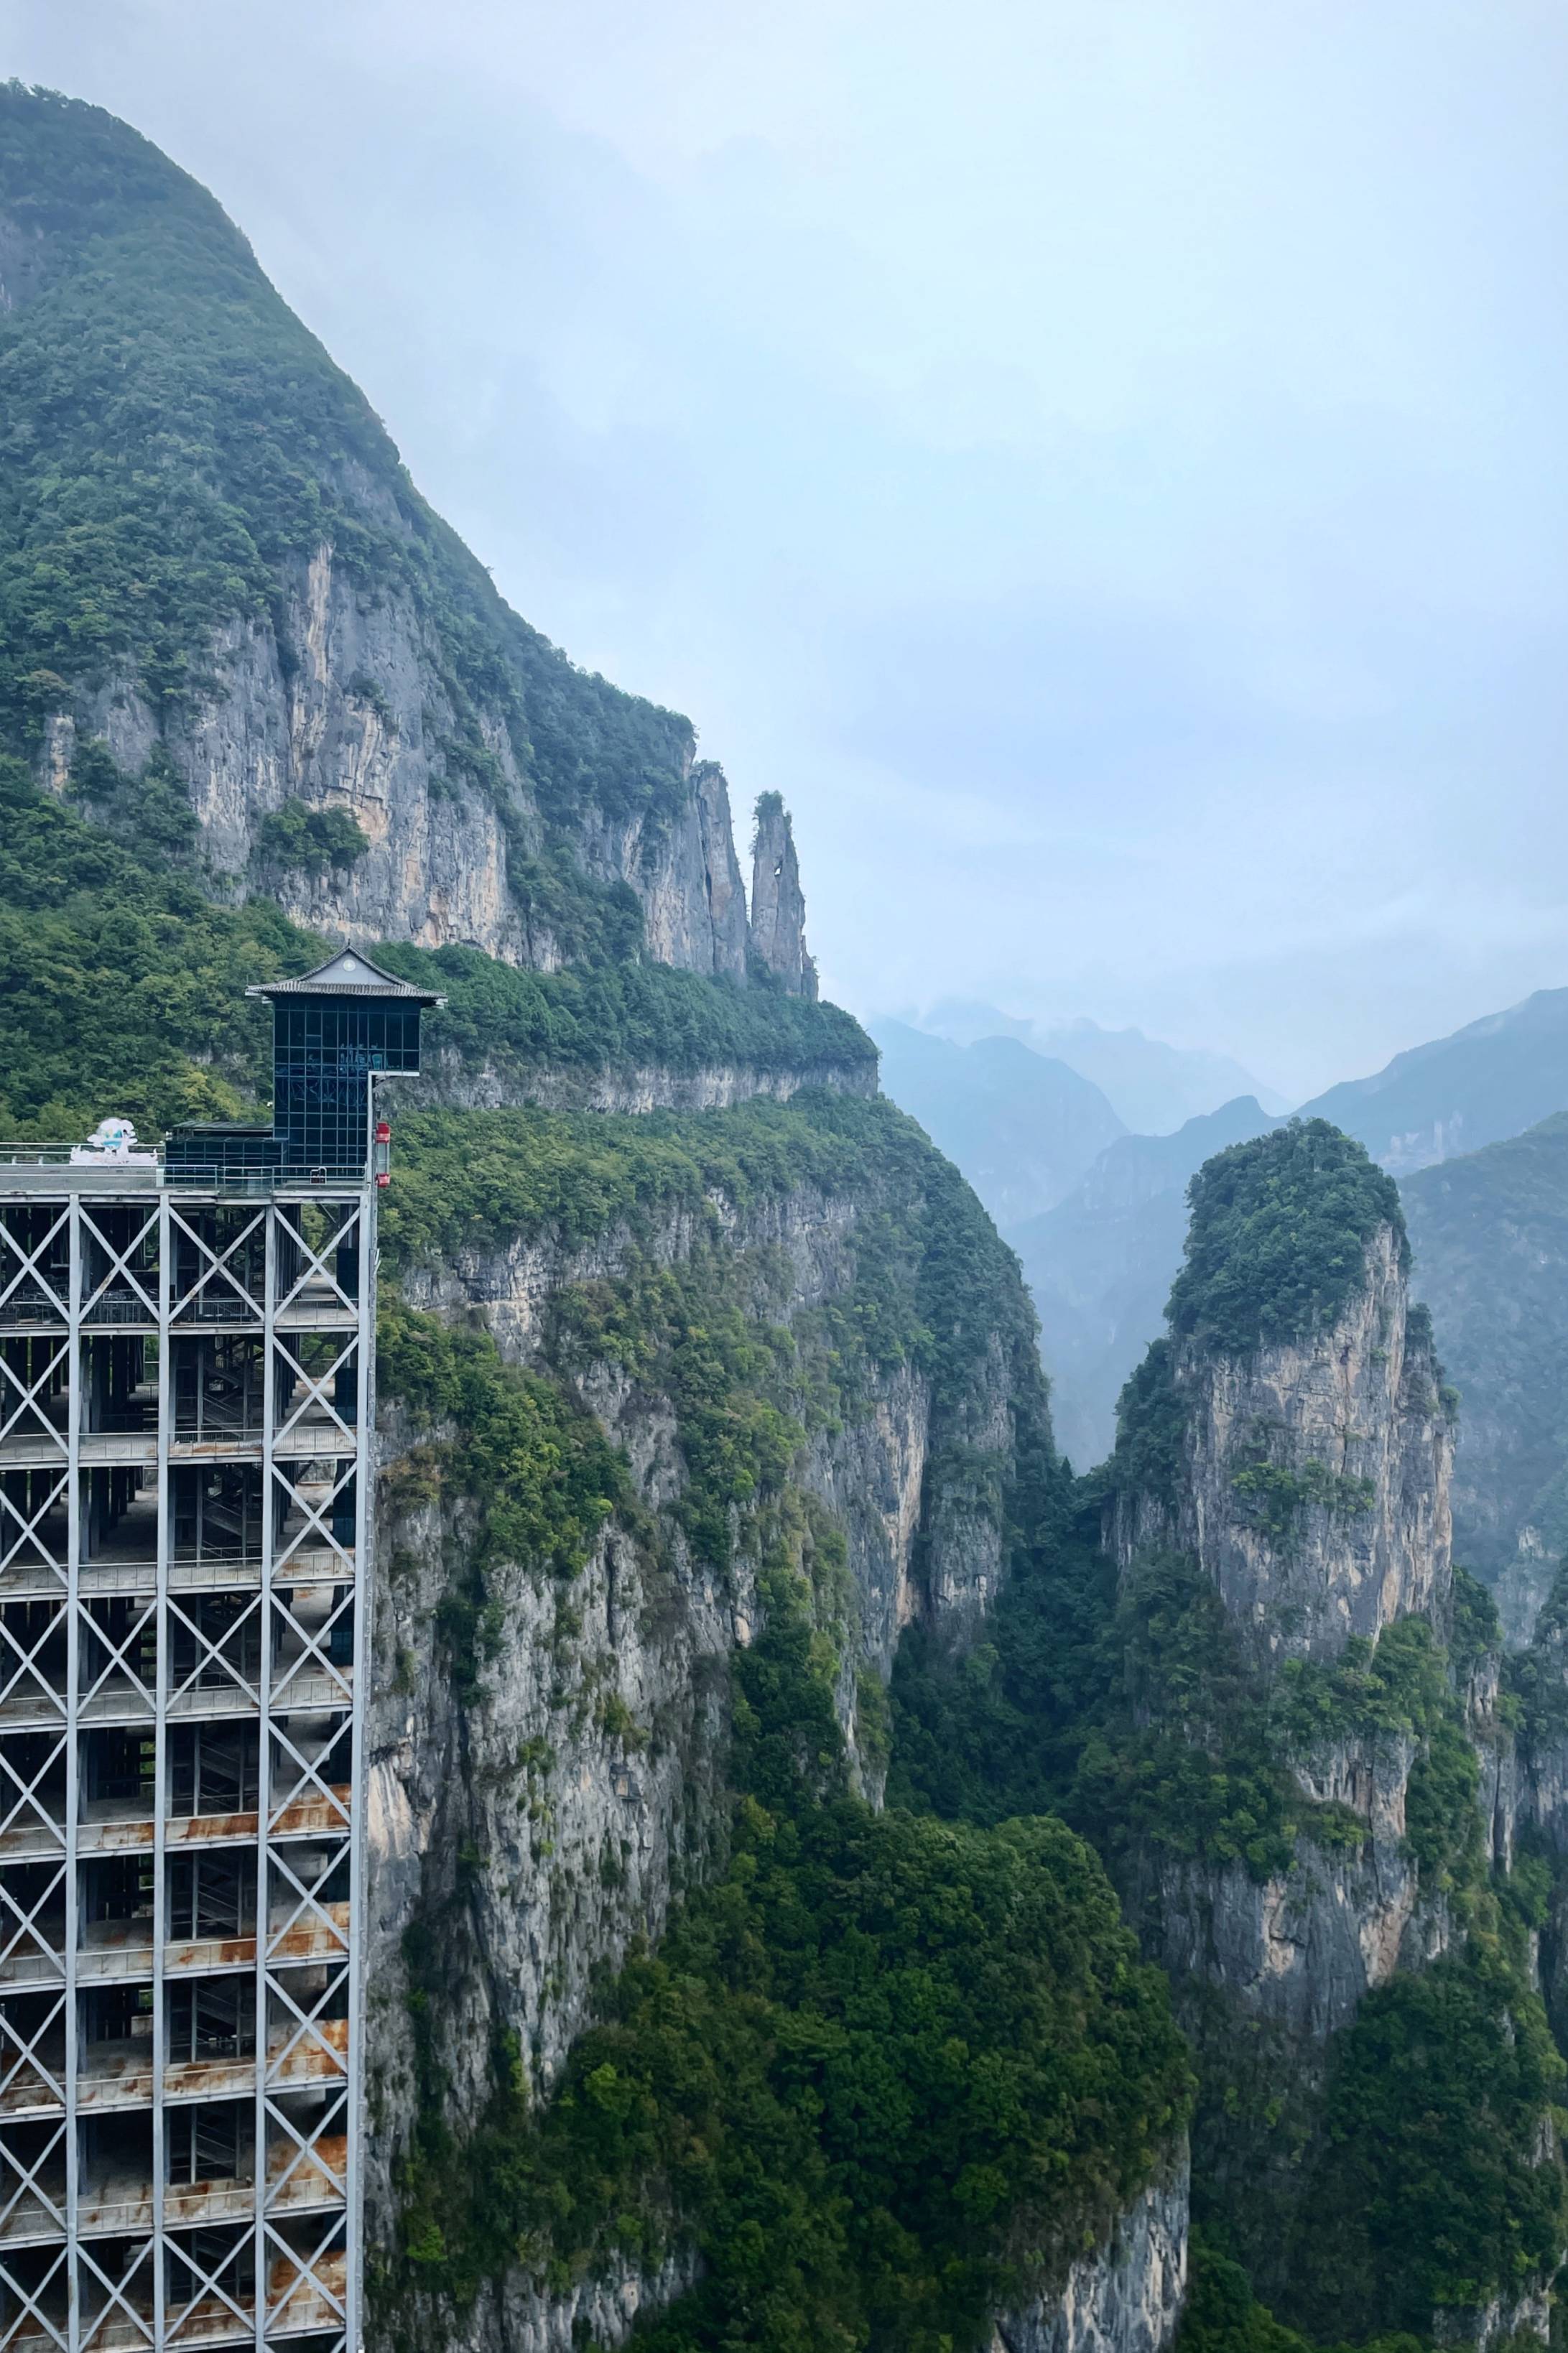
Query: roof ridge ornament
x=348 y=972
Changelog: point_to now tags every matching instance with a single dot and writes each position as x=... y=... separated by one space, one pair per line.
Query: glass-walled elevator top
x=334 y=1032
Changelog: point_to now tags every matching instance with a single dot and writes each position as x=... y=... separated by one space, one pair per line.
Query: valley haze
x=598 y=1758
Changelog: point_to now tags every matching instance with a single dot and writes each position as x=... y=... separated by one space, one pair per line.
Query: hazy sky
x=1100 y=459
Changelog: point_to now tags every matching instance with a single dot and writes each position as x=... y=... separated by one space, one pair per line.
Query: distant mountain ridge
x=1022 y=1126
x=1100 y=1261
x=1100 y=1266
x=1490 y=1081
x=1489 y=1235
x=1154 y=1087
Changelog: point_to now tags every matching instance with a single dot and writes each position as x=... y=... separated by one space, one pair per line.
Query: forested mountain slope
x=216 y=574
x=1021 y=1127
x=1240 y=1660
x=1491 y=1080
x=702 y=1375
x=1100 y=1266
x=1491 y=1239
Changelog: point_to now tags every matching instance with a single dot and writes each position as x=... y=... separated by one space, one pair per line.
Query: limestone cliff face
x=451 y=1082
x=1305 y=1483
x=338 y=701
x=1299 y=1949
x=287 y=622
x=1314 y=1481
x=685 y=873
x=548 y=1814
x=1310 y=1485
x=778 y=903
x=600 y=2311
x=1126 y=2295
x=722 y=889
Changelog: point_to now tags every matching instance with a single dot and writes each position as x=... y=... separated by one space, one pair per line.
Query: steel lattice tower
x=186 y=1409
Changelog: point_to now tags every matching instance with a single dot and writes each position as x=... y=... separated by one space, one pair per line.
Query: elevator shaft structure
x=186 y=1409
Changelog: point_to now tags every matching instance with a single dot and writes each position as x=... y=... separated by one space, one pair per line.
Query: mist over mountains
x=1023 y=1126
x=1490 y=1081
x=1100 y=1266
x=1154 y=1087
x=830 y=1876
x=1475 y=1128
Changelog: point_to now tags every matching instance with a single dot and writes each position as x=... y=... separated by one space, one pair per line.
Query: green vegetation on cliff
x=303 y=839
x=542 y=1475
x=1222 y=2315
x=925 y=1283
x=884 y=2072
x=1411 y=2174
x=884 y=2075
x=1279 y=1236
x=123 y=980
x=1433 y=2186
x=121 y=985
x=934 y=1280
x=1134 y=1714
x=487 y=1180
x=743 y=1389
x=175 y=444
x=621 y=1014
x=1276 y=1246
x=1132 y=1711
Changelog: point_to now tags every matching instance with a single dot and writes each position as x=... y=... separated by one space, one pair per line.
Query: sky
x=1101 y=460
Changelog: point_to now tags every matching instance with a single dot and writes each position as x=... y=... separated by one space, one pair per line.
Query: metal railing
x=213 y=1177
x=29 y=1303
x=204 y=1176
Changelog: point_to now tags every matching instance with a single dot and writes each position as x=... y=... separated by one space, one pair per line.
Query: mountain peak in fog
x=1154 y=1087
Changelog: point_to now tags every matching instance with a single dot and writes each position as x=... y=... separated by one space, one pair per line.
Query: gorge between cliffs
x=837 y=1877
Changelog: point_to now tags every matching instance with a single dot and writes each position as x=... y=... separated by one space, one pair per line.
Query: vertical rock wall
x=723 y=890
x=1313 y=1479
x=778 y=903
x=339 y=703
x=541 y=1819
x=1126 y=2295
x=1311 y=1487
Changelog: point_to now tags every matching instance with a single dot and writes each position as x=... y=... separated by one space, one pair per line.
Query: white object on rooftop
x=112 y=1139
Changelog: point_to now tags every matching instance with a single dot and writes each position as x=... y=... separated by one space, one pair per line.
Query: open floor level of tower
x=185 y=1399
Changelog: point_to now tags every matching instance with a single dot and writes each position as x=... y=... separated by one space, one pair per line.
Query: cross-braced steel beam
x=181 y=1996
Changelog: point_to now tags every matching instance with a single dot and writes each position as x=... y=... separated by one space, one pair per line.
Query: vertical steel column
x=72 y=1930
x=162 y=1790
x=264 y=1747
x=365 y=1524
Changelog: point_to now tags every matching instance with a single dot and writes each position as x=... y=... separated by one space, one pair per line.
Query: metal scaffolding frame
x=180 y=1995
